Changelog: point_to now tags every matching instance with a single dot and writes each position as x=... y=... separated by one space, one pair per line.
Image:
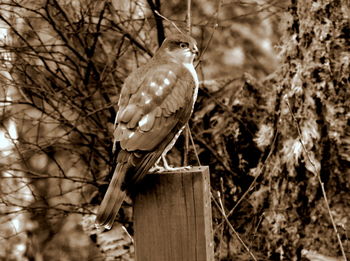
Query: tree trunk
x=313 y=134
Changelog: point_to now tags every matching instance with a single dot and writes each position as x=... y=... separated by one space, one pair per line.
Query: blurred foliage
x=272 y=73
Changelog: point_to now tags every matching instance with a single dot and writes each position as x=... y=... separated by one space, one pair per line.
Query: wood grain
x=172 y=217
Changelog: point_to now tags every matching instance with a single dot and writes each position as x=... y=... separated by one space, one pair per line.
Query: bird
x=155 y=103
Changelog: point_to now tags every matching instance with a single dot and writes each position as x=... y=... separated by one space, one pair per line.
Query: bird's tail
x=113 y=198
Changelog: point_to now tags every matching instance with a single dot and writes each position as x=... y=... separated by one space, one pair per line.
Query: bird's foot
x=167 y=168
x=156 y=168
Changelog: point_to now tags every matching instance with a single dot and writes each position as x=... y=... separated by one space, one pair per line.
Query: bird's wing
x=149 y=112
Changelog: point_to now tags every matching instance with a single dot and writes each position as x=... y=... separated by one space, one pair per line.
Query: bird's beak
x=194 y=50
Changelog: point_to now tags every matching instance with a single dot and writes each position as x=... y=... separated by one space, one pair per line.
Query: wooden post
x=172 y=217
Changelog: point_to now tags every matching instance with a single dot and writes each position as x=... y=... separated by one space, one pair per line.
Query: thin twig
x=214 y=153
x=189 y=18
x=128 y=35
x=168 y=20
x=251 y=186
x=222 y=202
x=186 y=133
x=222 y=211
x=215 y=26
x=187 y=128
x=317 y=174
x=193 y=145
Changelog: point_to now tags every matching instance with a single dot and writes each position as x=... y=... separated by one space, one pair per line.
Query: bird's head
x=181 y=47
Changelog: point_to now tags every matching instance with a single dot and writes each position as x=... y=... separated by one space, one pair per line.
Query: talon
x=156 y=168
x=178 y=168
x=166 y=167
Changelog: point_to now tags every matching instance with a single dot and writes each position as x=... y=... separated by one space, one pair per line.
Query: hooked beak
x=194 y=50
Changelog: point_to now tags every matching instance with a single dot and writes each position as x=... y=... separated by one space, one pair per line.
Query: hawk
x=155 y=103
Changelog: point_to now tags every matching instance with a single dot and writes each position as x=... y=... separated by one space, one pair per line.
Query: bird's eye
x=183 y=45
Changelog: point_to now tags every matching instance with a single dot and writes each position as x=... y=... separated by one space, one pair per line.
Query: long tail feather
x=113 y=198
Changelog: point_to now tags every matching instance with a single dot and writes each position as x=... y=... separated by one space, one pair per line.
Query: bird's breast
x=190 y=68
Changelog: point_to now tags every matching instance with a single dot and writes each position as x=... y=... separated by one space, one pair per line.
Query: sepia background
x=272 y=122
